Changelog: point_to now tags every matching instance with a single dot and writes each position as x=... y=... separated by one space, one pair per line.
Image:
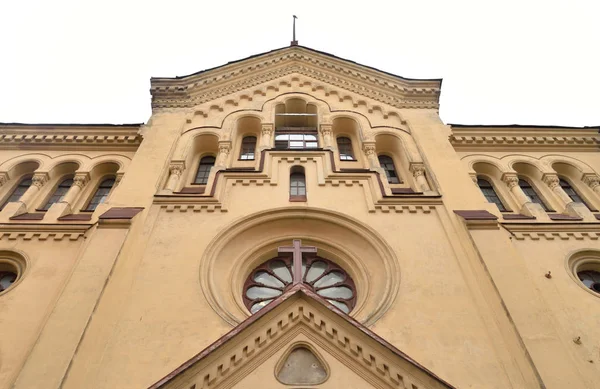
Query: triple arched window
x=387 y=164
x=490 y=193
x=101 y=193
x=19 y=190
x=59 y=193
x=532 y=193
x=345 y=149
x=204 y=167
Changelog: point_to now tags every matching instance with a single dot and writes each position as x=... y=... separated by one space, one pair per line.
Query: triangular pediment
x=301 y=331
x=326 y=70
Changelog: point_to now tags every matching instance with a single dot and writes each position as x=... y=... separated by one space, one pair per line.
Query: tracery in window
x=490 y=193
x=531 y=193
x=59 y=193
x=248 y=148
x=101 y=193
x=19 y=190
x=591 y=279
x=328 y=280
x=297 y=184
x=345 y=148
x=206 y=163
x=387 y=163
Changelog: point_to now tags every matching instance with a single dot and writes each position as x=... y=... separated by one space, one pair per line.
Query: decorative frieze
x=197 y=89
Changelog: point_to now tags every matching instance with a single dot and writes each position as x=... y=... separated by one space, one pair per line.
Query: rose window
x=269 y=280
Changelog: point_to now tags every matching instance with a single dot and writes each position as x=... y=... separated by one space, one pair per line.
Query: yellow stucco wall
x=120 y=305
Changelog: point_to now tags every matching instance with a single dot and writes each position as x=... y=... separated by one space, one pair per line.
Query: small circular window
x=269 y=280
x=591 y=279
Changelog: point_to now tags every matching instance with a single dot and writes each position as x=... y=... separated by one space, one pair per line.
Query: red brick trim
x=476 y=215
x=29 y=216
x=121 y=213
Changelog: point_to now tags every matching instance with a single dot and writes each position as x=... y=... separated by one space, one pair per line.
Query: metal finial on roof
x=294 y=41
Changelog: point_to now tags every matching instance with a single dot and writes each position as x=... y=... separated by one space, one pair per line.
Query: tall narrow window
x=297 y=184
x=248 y=148
x=570 y=191
x=19 y=190
x=387 y=164
x=206 y=163
x=490 y=194
x=101 y=193
x=59 y=193
x=345 y=149
x=531 y=193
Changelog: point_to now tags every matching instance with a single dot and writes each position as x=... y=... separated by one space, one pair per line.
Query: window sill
x=296 y=199
x=247 y=159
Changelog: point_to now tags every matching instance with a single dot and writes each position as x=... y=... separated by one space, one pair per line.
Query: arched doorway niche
x=250 y=241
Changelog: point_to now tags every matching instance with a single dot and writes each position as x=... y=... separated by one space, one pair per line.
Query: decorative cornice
x=554 y=231
x=49 y=136
x=498 y=138
x=43 y=231
x=196 y=89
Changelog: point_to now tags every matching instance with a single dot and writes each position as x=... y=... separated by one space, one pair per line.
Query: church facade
x=298 y=220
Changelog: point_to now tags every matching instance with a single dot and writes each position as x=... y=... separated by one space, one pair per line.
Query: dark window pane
x=248 y=148
x=390 y=170
x=59 y=193
x=345 y=149
x=490 y=194
x=531 y=193
x=204 y=167
x=570 y=191
x=591 y=279
x=19 y=191
x=101 y=194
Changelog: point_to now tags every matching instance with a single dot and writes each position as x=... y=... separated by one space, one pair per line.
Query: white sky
x=503 y=62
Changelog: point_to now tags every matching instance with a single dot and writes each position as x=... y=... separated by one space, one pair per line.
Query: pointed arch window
x=59 y=193
x=101 y=193
x=490 y=193
x=19 y=190
x=345 y=148
x=206 y=163
x=531 y=193
x=248 y=148
x=387 y=163
x=570 y=191
x=297 y=184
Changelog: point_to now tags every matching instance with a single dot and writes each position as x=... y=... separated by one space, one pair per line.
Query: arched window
x=570 y=191
x=19 y=190
x=531 y=193
x=206 y=163
x=328 y=280
x=248 y=148
x=345 y=148
x=101 y=194
x=387 y=164
x=490 y=194
x=297 y=184
x=59 y=193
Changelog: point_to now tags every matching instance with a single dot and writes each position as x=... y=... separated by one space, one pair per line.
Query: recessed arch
x=247 y=242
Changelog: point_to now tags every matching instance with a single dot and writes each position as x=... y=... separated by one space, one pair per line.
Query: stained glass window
x=328 y=280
